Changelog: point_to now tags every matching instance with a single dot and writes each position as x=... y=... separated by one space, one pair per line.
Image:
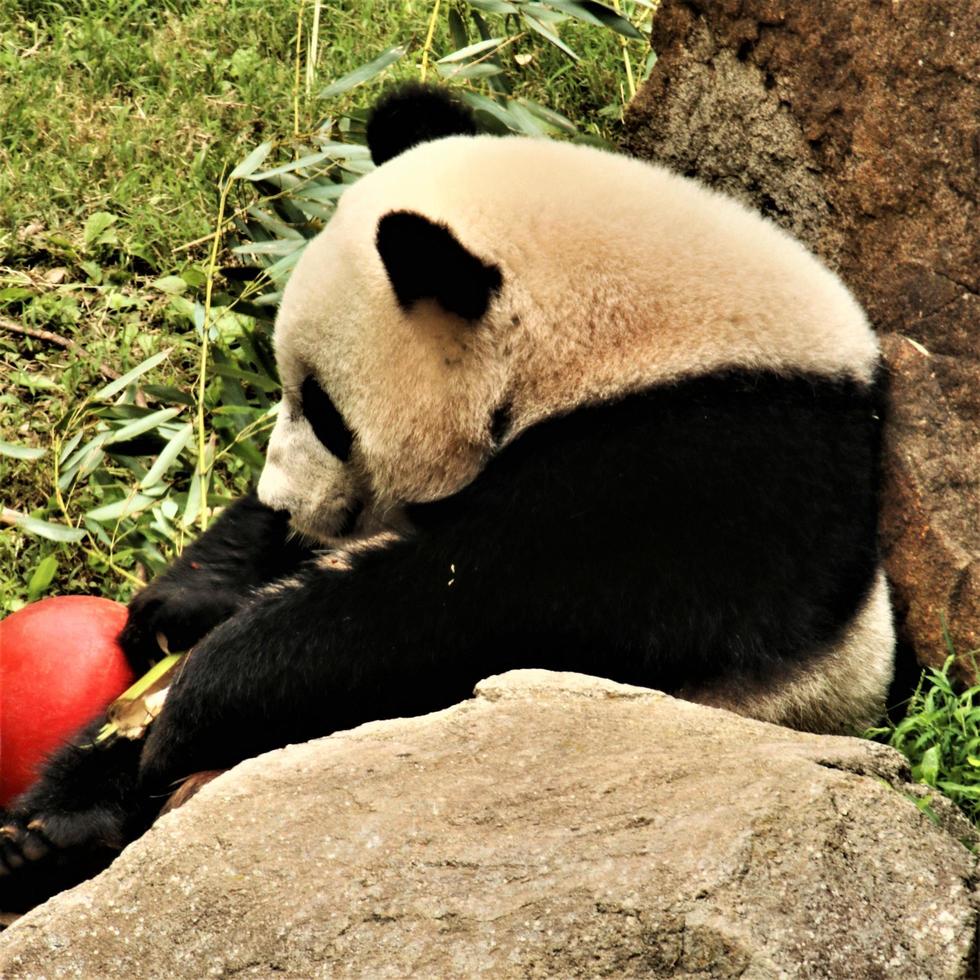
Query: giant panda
x=543 y=406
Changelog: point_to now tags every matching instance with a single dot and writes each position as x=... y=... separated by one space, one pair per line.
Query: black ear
x=413 y=114
x=424 y=260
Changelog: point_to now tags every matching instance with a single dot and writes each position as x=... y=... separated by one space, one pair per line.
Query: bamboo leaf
x=138 y=426
x=168 y=394
x=76 y=458
x=287 y=168
x=592 y=12
x=494 y=6
x=168 y=455
x=321 y=193
x=114 y=387
x=345 y=151
x=457 y=27
x=45 y=529
x=277 y=246
x=273 y=224
x=551 y=117
x=548 y=34
x=260 y=381
x=358 y=166
x=365 y=73
x=524 y=121
x=497 y=83
x=43 y=576
x=130 y=714
x=268 y=299
x=195 y=498
x=322 y=212
x=481 y=70
x=69 y=447
x=471 y=50
x=21 y=452
x=252 y=162
x=118 y=509
x=480 y=103
x=279 y=271
x=547 y=15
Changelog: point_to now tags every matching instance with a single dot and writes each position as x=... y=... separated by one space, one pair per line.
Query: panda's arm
x=248 y=546
x=517 y=569
x=404 y=631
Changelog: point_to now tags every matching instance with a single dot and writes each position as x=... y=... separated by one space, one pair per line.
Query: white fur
x=841 y=692
x=617 y=275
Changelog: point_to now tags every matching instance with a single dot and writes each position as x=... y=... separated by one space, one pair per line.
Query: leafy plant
x=940 y=736
x=489 y=41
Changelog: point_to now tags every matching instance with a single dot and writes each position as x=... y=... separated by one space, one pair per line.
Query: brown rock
x=925 y=520
x=557 y=825
x=855 y=124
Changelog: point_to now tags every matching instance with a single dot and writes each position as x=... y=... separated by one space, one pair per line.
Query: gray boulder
x=556 y=825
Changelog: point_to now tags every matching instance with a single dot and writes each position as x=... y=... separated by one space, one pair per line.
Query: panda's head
x=391 y=378
x=471 y=285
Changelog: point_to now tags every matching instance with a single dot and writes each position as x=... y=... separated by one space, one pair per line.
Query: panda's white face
x=475 y=278
x=382 y=403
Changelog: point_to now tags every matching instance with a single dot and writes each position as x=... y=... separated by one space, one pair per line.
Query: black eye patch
x=327 y=423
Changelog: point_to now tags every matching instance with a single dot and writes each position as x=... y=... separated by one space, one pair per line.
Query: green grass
x=136 y=108
x=130 y=108
x=120 y=118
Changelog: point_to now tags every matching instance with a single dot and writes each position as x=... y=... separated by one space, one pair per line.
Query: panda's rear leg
x=45 y=855
x=83 y=809
x=33 y=867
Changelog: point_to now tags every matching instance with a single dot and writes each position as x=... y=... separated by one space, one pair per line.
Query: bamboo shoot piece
x=131 y=713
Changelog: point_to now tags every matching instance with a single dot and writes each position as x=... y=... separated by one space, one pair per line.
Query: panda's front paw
x=177 y=613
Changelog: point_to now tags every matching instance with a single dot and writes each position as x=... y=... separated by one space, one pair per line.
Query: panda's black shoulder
x=414 y=113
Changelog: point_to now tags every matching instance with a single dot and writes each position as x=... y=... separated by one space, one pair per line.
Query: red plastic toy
x=60 y=665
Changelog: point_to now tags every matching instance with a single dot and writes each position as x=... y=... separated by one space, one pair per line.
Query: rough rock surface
x=927 y=523
x=855 y=124
x=557 y=825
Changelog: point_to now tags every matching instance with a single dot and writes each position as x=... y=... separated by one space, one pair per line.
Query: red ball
x=60 y=665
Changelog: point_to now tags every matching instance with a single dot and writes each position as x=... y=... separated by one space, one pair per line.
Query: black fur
x=424 y=260
x=500 y=423
x=717 y=528
x=413 y=114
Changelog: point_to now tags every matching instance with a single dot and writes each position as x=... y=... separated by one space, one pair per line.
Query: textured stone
x=856 y=125
x=556 y=825
x=926 y=520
